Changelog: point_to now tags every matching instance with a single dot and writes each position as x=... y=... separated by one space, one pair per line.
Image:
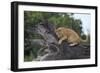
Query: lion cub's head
x=59 y=32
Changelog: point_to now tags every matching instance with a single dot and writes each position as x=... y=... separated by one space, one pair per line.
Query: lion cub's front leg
x=62 y=39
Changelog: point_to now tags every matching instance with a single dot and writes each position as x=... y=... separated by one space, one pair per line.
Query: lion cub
x=70 y=35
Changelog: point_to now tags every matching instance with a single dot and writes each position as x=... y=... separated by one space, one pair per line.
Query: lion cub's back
x=72 y=35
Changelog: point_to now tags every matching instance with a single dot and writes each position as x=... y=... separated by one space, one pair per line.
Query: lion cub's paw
x=59 y=42
x=73 y=44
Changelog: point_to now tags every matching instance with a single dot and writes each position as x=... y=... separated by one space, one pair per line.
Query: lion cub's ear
x=57 y=30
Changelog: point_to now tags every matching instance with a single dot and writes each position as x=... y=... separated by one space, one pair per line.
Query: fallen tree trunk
x=56 y=51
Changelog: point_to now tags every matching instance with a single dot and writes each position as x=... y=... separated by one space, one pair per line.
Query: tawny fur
x=69 y=35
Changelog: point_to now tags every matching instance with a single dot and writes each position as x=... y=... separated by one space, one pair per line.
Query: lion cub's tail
x=86 y=40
